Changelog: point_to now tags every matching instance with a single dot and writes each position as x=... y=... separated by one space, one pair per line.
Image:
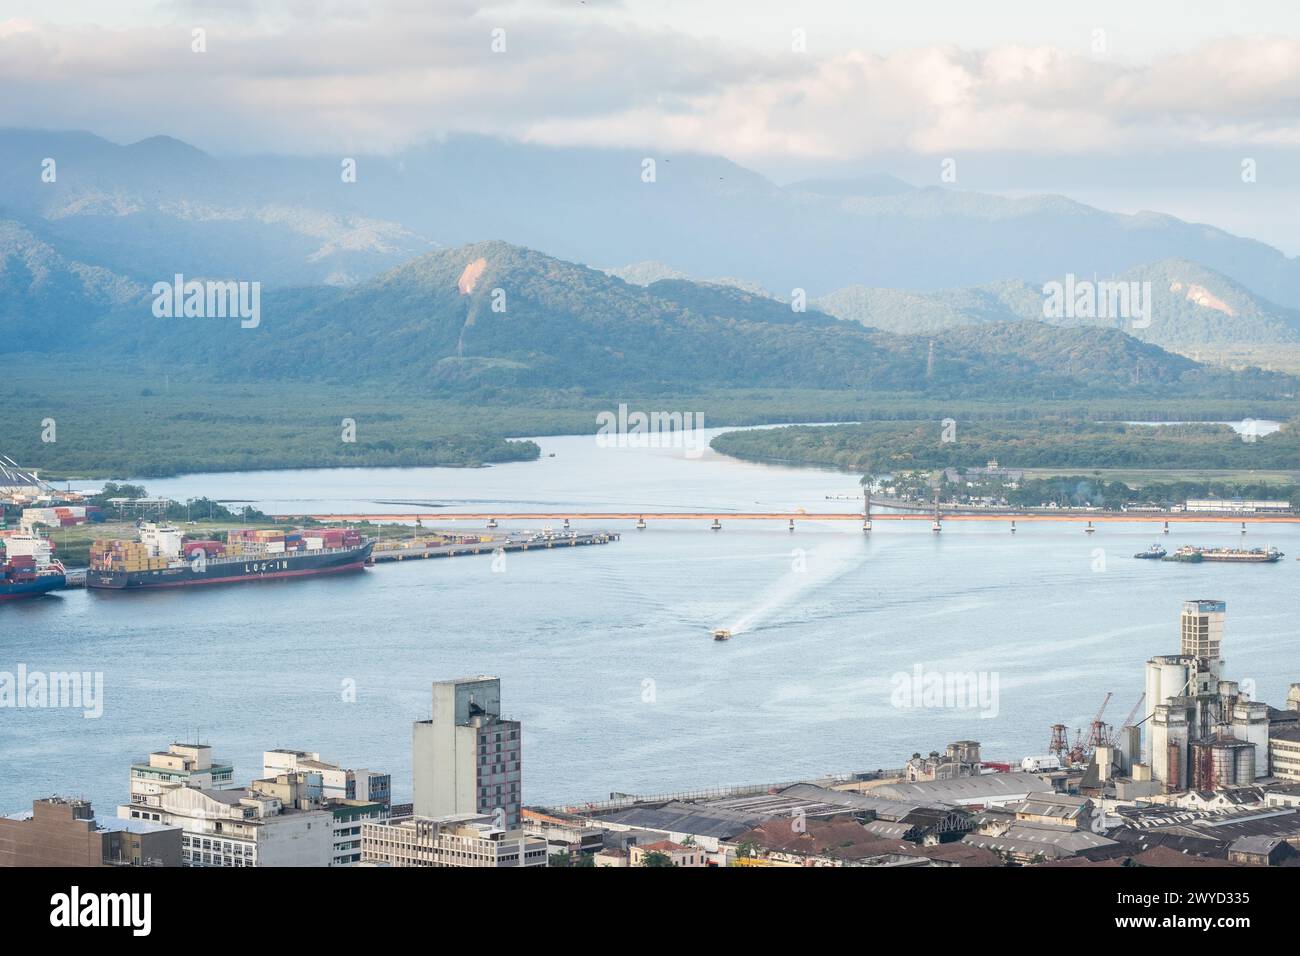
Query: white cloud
x=357 y=77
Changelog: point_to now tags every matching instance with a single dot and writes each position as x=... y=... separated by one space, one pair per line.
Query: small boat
x=1155 y=552
x=721 y=634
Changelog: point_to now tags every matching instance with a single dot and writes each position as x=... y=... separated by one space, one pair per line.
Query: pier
x=523 y=543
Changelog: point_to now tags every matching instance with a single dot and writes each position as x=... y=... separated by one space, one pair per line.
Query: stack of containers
x=332 y=537
x=270 y=542
x=61 y=516
x=123 y=556
x=210 y=548
x=22 y=567
x=239 y=541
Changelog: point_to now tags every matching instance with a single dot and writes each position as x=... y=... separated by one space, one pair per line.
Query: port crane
x=1128 y=721
x=1084 y=747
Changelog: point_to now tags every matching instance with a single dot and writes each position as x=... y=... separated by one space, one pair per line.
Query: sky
x=1139 y=105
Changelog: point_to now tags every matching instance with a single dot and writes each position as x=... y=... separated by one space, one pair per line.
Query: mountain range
x=495 y=315
x=362 y=281
x=1192 y=307
x=159 y=206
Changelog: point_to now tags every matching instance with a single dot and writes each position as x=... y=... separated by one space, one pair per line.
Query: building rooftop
x=990 y=786
x=686 y=818
x=1167 y=856
x=1256 y=844
x=663 y=846
x=130 y=825
x=839 y=838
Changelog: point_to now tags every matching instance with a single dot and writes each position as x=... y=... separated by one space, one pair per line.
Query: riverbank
x=161 y=421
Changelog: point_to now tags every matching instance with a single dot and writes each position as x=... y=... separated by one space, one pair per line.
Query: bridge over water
x=716 y=518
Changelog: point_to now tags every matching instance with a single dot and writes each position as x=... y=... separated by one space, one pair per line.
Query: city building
x=253 y=826
x=337 y=783
x=464 y=839
x=959 y=759
x=1203 y=733
x=677 y=854
x=1237 y=506
x=1201 y=627
x=1284 y=752
x=299 y=814
x=467 y=758
x=180 y=765
x=59 y=832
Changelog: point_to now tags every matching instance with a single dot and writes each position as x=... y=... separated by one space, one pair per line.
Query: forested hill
x=501 y=314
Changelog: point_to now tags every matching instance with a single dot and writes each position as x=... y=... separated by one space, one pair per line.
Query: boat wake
x=809 y=573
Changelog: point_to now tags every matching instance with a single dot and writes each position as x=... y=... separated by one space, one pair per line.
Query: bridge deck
x=796 y=516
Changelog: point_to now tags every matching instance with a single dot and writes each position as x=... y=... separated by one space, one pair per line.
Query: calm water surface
x=604 y=652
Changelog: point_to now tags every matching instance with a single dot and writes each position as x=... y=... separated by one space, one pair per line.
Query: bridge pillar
x=1090 y=529
x=791 y=524
x=1013 y=525
x=717 y=525
x=937 y=526
x=640 y=524
x=866 y=524
x=1166 y=527
x=1243 y=527
x=492 y=522
x=566 y=524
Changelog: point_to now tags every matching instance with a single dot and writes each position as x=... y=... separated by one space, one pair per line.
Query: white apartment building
x=180 y=765
x=465 y=839
x=239 y=827
x=337 y=783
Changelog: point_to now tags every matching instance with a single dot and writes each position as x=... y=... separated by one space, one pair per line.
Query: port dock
x=510 y=542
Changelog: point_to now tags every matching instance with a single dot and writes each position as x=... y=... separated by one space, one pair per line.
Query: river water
x=604 y=652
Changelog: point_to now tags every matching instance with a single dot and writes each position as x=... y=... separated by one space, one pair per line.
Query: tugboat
x=1153 y=553
x=721 y=634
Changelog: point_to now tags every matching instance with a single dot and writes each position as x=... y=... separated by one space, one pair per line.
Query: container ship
x=1193 y=555
x=162 y=558
x=28 y=568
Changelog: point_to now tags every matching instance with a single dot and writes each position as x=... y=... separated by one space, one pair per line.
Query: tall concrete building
x=1202 y=732
x=467 y=759
x=1201 y=626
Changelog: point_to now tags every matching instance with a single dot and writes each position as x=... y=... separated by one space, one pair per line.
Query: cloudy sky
x=1143 y=105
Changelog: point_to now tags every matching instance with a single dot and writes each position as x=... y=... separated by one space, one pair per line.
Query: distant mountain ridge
x=45 y=296
x=159 y=206
x=1191 y=307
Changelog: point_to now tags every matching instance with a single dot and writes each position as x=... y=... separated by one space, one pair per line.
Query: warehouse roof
x=988 y=787
x=686 y=818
